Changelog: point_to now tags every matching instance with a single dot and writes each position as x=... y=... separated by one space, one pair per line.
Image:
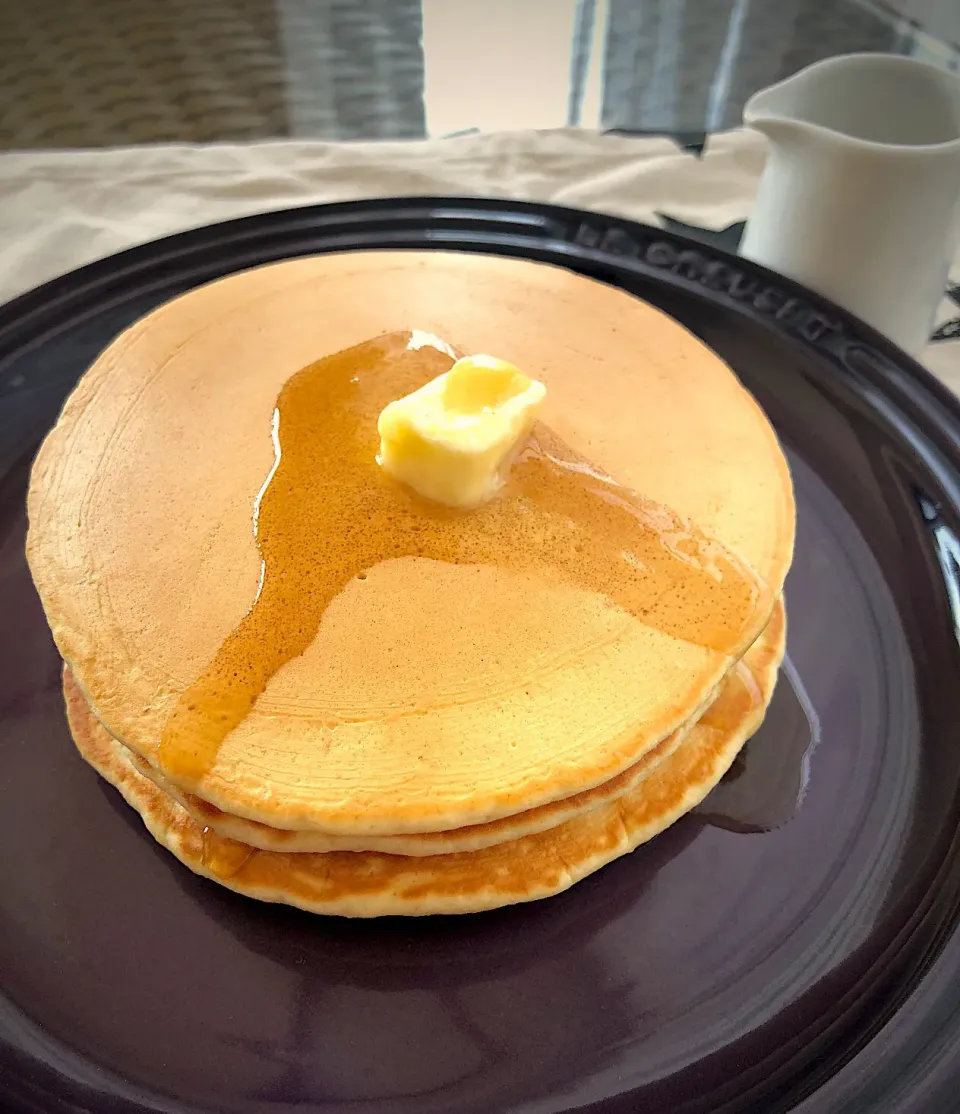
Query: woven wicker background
x=90 y=73
x=81 y=73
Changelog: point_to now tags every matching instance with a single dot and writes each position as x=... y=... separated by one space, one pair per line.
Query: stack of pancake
x=316 y=688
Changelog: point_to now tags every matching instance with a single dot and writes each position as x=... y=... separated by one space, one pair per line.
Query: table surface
x=93 y=73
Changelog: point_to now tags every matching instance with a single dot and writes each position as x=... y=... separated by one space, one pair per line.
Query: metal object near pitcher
x=860 y=197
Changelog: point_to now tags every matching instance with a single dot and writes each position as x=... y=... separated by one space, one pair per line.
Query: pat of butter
x=454 y=439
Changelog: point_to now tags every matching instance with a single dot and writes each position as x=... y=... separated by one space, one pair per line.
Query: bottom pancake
x=371 y=883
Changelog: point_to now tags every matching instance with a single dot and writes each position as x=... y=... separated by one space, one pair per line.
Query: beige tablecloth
x=60 y=209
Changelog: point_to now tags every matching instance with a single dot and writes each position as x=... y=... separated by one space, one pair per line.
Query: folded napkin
x=61 y=209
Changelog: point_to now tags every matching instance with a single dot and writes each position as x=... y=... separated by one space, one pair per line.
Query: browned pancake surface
x=367 y=884
x=433 y=694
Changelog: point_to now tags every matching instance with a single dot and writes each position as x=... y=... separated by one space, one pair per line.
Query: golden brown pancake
x=433 y=693
x=369 y=884
x=471 y=838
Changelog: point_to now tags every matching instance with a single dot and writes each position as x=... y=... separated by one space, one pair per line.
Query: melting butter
x=453 y=439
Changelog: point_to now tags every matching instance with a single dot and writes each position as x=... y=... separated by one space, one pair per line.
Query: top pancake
x=434 y=695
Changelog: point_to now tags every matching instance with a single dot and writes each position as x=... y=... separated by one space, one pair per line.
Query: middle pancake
x=473 y=837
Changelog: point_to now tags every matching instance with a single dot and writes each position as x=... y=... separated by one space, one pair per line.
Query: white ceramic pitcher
x=860 y=196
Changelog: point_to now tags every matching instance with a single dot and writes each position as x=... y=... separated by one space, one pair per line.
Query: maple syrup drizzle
x=327 y=513
x=739 y=695
x=767 y=781
x=223 y=857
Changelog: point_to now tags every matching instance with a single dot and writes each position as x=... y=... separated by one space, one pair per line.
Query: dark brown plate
x=814 y=967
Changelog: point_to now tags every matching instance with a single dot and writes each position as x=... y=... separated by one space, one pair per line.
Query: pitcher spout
x=776 y=111
x=881 y=100
x=781 y=131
